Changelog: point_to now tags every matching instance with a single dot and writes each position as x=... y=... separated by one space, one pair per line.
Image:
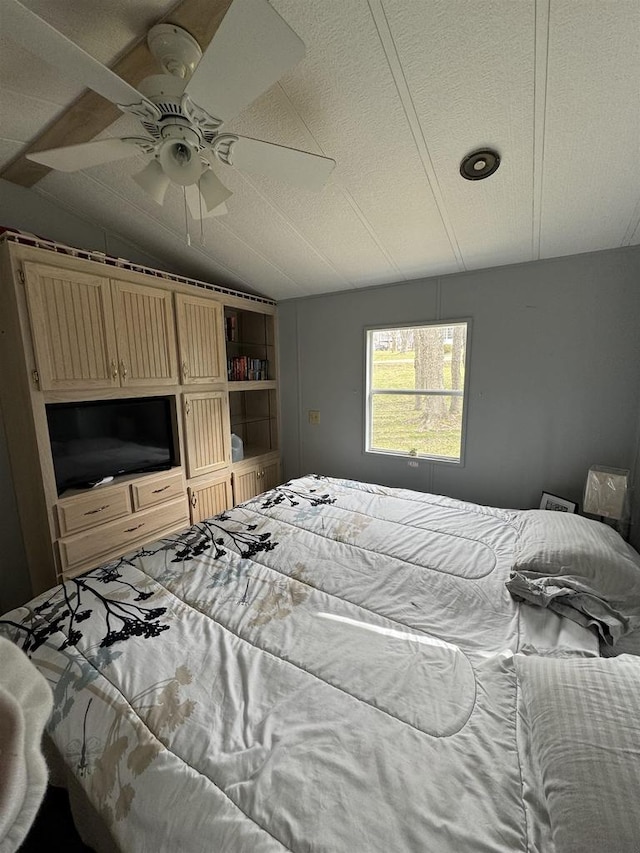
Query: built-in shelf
x=253 y=415
x=256 y=385
x=253 y=452
x=250 y=342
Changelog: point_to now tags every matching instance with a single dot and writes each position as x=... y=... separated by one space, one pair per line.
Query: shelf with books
x=243 y=368
x=250 y=343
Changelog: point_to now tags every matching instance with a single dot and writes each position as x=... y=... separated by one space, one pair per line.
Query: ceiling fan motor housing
x=175 y=108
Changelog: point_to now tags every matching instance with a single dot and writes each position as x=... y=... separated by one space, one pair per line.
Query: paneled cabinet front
x=91 y=332
x=210 y=497
x=200 y=338
x=250 y=480
x=145 y=333
x=72 y=328
x=207 y=432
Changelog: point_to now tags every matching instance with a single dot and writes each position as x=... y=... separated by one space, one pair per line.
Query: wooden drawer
x=157 y=490
x=85 y=550
x=88 y=510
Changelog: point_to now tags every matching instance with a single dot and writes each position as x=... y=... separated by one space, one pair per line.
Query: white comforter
x=326 y=668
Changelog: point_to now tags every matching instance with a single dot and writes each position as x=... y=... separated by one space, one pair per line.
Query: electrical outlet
x=314 y=417
x=413 y=463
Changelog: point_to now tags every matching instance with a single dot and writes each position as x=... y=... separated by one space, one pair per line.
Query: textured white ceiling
x=397 y=92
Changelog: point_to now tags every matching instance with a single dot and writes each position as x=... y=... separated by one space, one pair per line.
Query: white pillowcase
x=585 y=741
x=580 y=568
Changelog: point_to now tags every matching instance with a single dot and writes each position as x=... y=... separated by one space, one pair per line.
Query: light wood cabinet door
x=207 y=432
x=200 y=340
x=249 y=482
x=145 y=331
x=72 y=328
x=210 y=498
x=270 y=477
x=245 y=485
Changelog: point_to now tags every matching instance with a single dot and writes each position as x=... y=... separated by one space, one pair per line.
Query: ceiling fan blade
x=41 y=39
x=252 y=48
x=285 y=164
x=73 y=158
x=197 y=206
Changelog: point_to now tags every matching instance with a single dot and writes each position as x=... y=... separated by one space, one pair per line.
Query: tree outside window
x=415 y=390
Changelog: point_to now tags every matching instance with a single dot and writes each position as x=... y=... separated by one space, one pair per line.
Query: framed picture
x=548 y=501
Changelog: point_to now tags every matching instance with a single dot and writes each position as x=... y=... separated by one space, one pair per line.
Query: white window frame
x=370 y=393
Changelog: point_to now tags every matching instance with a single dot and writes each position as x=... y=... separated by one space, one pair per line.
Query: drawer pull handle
x=98 y=509
x=131 y=529
x=163 y=489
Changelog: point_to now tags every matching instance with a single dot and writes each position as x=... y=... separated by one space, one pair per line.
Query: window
x=415 y=390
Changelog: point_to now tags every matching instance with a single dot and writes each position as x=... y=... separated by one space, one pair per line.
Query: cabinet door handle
x=98 y=509
x=114 y=369
x=123 y=370
x=187 y=408
x=194 y=500
x=185 y=371
x=131 y=529
x=163 y=489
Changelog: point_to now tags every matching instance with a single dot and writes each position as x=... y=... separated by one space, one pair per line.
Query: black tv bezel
x=81 y=484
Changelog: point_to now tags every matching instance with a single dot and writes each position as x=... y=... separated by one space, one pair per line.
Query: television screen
x=105 y=438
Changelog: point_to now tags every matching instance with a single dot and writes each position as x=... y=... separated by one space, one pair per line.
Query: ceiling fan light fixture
x=213 y=191
x=479 y=164
x=180 y=161
x=153 y=180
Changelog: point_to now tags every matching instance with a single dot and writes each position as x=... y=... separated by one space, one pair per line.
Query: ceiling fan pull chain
x=186 y=220
x=201 y=220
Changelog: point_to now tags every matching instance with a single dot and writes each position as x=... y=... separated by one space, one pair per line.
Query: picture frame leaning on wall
x=556 y=503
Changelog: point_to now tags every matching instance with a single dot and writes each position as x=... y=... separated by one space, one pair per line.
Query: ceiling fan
x=183 y=109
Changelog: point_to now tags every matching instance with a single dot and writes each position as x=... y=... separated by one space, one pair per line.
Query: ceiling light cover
x=213 y=190
x=479 y=164
x=180 y=161
x=153 y=181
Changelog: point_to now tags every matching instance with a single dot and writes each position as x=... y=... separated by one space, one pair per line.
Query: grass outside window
x=415 y=385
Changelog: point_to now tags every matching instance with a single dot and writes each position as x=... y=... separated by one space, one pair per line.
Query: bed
x=333 y=667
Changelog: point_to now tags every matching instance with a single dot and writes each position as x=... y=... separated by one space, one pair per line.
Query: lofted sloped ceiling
x=397 y=92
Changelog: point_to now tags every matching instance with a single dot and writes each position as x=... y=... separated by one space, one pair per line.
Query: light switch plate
x=314 y=416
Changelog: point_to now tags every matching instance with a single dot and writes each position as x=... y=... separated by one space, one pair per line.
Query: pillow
x=585 y=742
x=579 y=568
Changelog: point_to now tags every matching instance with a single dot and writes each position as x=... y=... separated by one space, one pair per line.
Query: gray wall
x=554 y=383
x=27 y=211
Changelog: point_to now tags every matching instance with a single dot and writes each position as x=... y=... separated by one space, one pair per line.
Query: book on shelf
x=242 y=368
x=231 y=327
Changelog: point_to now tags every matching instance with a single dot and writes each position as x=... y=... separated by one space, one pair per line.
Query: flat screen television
x=105 y=438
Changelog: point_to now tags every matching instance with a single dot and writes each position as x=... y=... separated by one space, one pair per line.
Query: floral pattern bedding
x=325 y=668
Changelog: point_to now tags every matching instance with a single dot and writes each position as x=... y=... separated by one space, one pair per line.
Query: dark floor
x=53 y=827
